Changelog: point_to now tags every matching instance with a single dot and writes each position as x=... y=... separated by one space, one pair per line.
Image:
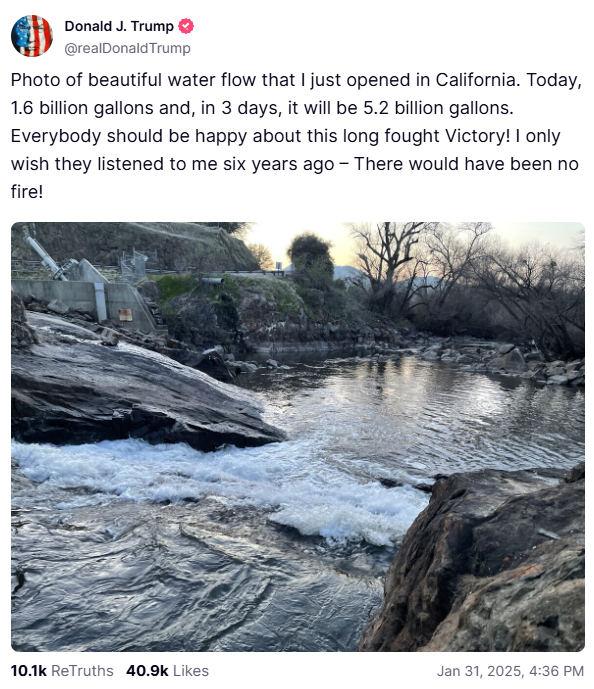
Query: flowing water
x=123 y=546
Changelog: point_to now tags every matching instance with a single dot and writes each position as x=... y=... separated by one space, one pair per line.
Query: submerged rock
x=80 y=392
x=494 y=563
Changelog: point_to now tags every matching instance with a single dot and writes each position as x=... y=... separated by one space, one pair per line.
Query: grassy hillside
x=178 y=245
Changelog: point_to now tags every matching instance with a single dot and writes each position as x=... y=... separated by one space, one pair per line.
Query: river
x=123 y=546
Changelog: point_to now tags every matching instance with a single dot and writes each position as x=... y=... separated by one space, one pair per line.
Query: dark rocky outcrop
x=494 y=563
x=21 y=333
x=71 y=389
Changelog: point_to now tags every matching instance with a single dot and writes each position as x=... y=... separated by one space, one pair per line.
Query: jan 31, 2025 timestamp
x=518 y=671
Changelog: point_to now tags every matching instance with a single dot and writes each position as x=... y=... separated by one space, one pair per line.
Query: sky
x=278 y=235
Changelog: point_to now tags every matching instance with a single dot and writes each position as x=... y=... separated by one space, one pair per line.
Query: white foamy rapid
x=297 y=480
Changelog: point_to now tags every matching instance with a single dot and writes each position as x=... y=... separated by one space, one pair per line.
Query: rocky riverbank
x=225 y=362
x=508 y=360
x=67 y=387
x=494 y=563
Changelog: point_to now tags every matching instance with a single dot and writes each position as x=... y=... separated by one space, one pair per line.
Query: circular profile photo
x=32 y=35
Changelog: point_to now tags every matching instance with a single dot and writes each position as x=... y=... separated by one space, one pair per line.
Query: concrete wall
x=88 y=273
x=121 y=295
x=81 y=295
x=76 y=295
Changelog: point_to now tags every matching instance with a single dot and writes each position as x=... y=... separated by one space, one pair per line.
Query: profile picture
x=32 y=35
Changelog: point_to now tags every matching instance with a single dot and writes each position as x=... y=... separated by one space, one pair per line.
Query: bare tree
x=542 y=291
x=262 y=255
x=450 y=252
x=386 y=255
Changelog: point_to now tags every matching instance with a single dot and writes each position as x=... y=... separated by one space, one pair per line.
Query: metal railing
x=22 y=266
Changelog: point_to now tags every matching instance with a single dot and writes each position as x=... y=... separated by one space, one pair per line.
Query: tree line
x=463 y=278
x=458 y=279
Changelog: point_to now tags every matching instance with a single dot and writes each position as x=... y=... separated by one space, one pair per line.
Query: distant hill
x=346 y=273
x=178 y=245
x=340 y=272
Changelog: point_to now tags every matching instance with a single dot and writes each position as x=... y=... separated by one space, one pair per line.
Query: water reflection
x=424 y=418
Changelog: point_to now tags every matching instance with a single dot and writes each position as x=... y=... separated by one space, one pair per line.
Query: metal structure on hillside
x=133 y=266
x=58 y=272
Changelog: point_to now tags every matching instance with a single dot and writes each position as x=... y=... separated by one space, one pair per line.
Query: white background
x=359 y=38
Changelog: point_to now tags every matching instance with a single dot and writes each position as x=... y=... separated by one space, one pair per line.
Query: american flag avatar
x=32 y=35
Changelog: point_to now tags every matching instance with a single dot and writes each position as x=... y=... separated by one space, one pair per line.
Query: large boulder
x=70 y=391
x=57 y=306
x=21 y=333
x=512 y=362
x=494 y=563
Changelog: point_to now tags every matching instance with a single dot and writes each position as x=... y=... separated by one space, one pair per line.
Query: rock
x=211 y=362
x=555 y=371
x=272 y=363
x=494 y=563
x=21 y=333
x=109 y=337
x=467 y=359
x=577 y=473
x=578 y=381
x=557 y=380
x=390 y=482
x=17 y=309
x=85 y=393
x=471 y=351
x=57 y=306
x=37 y=307
x=505 y=349
x=246 y=367
x=430 y=355
x=512 y=362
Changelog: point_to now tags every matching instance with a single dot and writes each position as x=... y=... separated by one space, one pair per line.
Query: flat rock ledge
x=68 y=388
x=496 y=562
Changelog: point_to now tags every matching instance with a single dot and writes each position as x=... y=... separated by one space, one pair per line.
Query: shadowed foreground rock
x=494 y=563
x=71 y=389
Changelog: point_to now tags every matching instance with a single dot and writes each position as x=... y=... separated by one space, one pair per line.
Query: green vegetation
x=311 y=259
x=171 y=286
x=279 y=290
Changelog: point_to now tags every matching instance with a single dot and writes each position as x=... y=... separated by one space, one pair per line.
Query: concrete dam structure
x=114 y=301
x=81 y=287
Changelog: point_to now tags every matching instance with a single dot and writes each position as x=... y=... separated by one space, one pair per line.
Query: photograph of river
x=191 y=485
